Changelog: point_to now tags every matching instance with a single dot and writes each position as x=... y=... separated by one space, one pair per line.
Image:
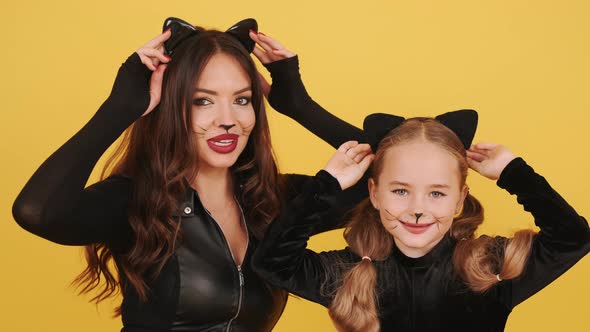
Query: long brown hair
x=159 y=153
x=480 y=262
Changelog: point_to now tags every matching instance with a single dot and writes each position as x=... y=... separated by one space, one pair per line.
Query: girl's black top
x=424 y=294
x=200 y=287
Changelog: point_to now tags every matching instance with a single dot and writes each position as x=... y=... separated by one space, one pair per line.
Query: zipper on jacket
x=238 y=266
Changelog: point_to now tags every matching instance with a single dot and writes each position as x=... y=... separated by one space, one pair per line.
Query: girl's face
x=222 y=113
x=417 y=194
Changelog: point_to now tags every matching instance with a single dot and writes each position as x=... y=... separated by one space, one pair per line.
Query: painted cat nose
x=418 y=215
x=227 y=127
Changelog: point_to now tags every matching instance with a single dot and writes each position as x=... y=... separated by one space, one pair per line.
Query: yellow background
x=524 y=65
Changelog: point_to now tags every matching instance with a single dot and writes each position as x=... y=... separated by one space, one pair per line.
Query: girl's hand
x=349 y=163
x=489 y=159
x=153 y=57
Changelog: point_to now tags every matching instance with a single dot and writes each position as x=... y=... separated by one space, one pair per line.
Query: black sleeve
x=289 y=97
x=282 y=258
x=342 y=203
x=54 y=204
x=563 y=239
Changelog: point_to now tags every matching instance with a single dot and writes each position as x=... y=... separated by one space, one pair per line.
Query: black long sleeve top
x=425 y=294
x=200 y=287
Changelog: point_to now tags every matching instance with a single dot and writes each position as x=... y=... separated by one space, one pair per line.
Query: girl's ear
x=464 y=193
x=373 y=193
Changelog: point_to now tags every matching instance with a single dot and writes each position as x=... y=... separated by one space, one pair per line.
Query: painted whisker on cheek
x=392 y=218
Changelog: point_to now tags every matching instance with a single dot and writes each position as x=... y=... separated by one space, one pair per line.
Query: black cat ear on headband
x=182 y=30
x=241 y=32
x=461 y=122
x=377 y=125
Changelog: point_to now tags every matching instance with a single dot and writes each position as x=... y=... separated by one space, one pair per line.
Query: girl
x=414 y=262
x=192 y=190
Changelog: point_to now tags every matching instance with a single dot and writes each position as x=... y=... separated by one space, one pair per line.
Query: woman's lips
x=225 y=143
x=416 y=228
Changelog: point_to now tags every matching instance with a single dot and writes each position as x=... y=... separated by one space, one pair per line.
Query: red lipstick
x=225 y=143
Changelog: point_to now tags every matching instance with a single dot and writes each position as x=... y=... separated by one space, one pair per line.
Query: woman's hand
x=489 y=159
x=268 y=50
x=153 y=57
x=349 y=163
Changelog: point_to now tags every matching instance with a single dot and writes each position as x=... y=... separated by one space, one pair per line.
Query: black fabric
x=424 y=294
x=200 y=287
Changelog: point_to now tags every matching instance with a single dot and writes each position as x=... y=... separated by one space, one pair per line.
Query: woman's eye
x=243 y=101
x=201 y=102
x=437 y=194
x=401 y=192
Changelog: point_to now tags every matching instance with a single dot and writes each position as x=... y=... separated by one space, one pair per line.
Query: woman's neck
x=214 y=184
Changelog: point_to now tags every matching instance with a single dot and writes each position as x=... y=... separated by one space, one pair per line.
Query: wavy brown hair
x=159 y=153
x=477 y=261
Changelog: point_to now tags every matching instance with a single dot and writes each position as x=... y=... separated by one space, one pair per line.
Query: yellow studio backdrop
x=522 y=64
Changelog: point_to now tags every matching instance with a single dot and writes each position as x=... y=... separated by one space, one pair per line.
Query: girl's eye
x=401 y=192
x=201 y=102
x=243 y=101
x=437 y=194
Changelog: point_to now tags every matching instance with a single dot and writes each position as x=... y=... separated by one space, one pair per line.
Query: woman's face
x=417 y=194
x=222 y=112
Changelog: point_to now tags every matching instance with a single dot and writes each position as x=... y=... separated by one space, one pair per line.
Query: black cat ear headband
x=182 y=30
x=463 y=123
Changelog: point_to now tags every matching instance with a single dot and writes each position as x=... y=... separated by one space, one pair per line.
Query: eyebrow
x=211 y=92
x=399 y=183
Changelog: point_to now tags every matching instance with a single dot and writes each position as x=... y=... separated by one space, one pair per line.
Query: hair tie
x=498 y=277
x=367 y=258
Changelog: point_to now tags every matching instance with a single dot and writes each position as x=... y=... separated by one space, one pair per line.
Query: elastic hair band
x=498 y=277
x=367 y=258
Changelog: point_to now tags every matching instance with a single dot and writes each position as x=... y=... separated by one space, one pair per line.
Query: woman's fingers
x=156 y=56
x=261 y=55
x=159 y=40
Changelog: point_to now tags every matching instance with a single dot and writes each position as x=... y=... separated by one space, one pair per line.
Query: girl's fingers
x=475 y=156
x=347 y=146
x=473 y=164
x=358 y=152
x=366 y=161
x=485 y=145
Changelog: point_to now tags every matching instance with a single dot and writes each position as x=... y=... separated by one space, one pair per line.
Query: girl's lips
x=416 y=228
x=224 y=143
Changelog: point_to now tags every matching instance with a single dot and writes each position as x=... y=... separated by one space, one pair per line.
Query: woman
x=193 y=186
x=413 y=261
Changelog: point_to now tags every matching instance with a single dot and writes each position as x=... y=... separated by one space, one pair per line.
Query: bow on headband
x=463 y=123
x=182 y=30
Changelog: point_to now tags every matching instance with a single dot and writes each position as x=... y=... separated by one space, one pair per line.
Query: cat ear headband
x=463 y=123
x=182 y=30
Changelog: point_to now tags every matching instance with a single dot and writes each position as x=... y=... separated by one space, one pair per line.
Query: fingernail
x=252 y=31
x=167 y=57
x=166 y=30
